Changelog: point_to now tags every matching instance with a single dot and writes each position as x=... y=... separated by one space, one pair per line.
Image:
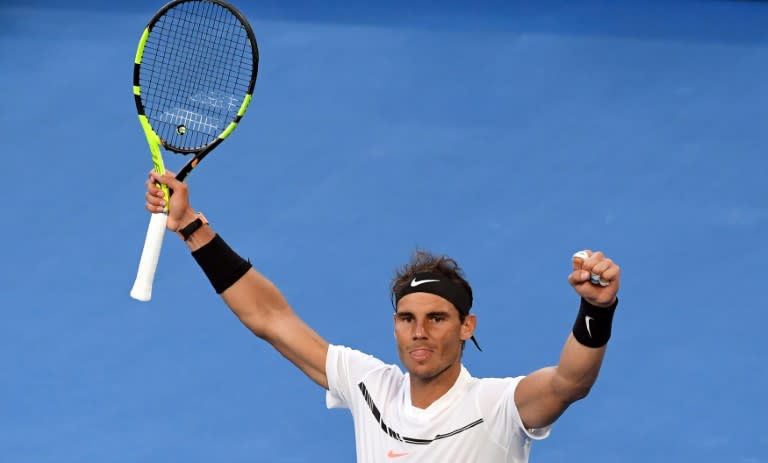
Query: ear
x=468 y=327
x=394 y=324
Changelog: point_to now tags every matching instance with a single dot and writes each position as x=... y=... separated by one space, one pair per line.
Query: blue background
x=507 y=136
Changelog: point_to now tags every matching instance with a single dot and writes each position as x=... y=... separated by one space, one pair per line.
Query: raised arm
x=543 y=396
x=255 y=300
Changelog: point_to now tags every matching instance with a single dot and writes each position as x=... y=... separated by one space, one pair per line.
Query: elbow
x=265 y=323
x=256 y=321
x=254 y=325
x=579 y=392
x=570 y=391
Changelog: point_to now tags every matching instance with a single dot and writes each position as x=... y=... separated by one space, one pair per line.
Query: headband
x=439 y=285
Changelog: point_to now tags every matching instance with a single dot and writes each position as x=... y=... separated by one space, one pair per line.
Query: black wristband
x=592 y=327
x=221 y=264
x=193 y=226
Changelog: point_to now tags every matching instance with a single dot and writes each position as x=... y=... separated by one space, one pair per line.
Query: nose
x=419 y=331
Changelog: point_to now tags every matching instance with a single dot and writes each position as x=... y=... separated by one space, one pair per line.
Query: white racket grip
x=142 y=287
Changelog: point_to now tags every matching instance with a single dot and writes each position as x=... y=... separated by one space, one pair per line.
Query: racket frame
x=145 y=275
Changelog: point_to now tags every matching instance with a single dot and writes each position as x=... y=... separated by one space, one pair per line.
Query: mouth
x=420 y=354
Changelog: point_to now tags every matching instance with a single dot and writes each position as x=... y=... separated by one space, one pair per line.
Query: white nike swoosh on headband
x=415 y=282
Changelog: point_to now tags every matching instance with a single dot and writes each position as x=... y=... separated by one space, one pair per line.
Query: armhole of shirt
x=334 y=395
x=531 y=433
x=496 y=400
x=343 y=377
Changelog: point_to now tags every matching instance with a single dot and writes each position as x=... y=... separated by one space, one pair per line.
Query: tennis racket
x=193 y=77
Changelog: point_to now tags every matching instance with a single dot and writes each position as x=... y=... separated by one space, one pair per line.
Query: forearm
x=252 y=297
x=584 y=350
x=259 y=304
x=577 y=369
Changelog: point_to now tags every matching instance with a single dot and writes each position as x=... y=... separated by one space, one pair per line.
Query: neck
x=425 y=391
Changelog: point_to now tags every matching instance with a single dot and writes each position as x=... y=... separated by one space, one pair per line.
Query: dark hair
x=423 y=261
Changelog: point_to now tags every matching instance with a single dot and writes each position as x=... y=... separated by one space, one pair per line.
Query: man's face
x=429 y=335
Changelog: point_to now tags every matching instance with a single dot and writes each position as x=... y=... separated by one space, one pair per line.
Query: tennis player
x=435 y=412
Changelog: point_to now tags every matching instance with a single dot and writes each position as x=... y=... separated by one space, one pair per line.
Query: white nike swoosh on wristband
x=415 y=282
x=587 y=319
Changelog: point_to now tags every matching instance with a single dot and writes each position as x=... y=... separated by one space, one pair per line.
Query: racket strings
x=196 y=69
x=223 y=58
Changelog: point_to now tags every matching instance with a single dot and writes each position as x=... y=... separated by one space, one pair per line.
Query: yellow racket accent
x=157 y=159
x=240 y=112
x=244 y=106
x=228 y=130
x=142 y=42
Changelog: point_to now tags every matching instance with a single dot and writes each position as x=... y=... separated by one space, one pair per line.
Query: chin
x=421 y=375
x=425 y=372
x=416 y=370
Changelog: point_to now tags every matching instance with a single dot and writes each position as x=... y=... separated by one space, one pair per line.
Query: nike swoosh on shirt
x=392 y=454
x=415 y=282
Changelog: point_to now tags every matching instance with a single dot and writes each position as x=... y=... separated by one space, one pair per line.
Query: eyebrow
x=443 y=313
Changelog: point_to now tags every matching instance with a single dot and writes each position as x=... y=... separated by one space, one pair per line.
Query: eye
x=406 y=318
x=437 y=318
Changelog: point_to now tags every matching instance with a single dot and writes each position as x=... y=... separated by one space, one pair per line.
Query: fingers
x=595 y=267
x=155 y=196
x=155 y=201
x=176 y=203
x=595 y=277
x=169 y=179
x=155 y=180
x=152 y=187
x=580 y=257
x=611 y=273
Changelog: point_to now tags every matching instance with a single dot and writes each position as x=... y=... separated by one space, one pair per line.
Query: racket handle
x=142 y=287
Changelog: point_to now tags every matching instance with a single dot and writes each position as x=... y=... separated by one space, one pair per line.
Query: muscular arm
x=543 y=396
x=262 y=308
x=253 y=298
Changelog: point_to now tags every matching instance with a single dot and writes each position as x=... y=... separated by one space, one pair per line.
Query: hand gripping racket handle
x=142 y=287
